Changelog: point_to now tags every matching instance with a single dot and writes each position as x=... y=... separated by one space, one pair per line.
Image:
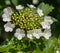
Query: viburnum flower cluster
x=29 y=24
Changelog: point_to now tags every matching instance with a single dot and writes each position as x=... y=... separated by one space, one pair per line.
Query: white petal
x=45 y=25
x=18 y=30
x=16 y=34
x=19 y=34
x=36 y=35
x=6 y=18
x=19 y=7
x=48 y=19
x=31 y=6
x=40 y=12
x=19 y=37
x=37 y=30
x=29 y=36
x=47 y=33
x=9 y=27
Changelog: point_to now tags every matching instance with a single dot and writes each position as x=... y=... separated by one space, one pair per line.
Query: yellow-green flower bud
x=26 y=19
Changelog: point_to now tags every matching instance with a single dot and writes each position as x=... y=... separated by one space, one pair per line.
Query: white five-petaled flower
x=31 y=6
x=37 y=33
x=48 y=19
x=19 y=7
x=6 y=17
x=7 y=14
x=9 y=27
x=19 y=34
x=46 y=24
x=47 y=33
x=8 y=11
x=40 y=12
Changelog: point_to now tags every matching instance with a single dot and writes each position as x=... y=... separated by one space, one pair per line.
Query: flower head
x=9 y=27
x=28 y=21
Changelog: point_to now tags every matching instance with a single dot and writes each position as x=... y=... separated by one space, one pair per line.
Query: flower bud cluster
x=25 y=19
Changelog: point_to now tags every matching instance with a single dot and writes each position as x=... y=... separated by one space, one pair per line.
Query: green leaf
x=7 y=2
x=50 y=45
x=54 y=20
x=7 y=47
x=15 y=2
x=37 y=50
x=46 y=8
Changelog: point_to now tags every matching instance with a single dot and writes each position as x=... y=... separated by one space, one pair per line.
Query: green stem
x=25 y=34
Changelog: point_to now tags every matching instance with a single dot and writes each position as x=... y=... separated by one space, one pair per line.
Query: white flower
x=19 y=7
x=8 y=11
x=31 y=6
x=37 y=33
x=19 y=34
x=7 y=14
x=9 y=27
x=6 y=17
x=45 y=25
x=40 y=12
x=48 y=19
x=47 y=33
x=35 y=1
x=30 y=34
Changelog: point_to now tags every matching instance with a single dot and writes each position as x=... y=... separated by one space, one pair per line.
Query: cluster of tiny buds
x=26 y=20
